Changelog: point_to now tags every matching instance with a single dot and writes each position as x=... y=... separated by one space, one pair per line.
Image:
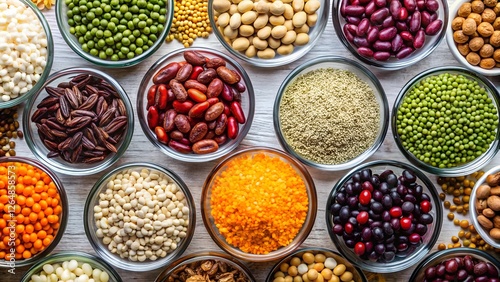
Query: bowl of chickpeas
x=315 y=264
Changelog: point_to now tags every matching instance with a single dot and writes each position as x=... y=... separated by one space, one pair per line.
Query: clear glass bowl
x=413 y=255
x=440 y=256
x=72 y=41
x=50 y=58
x=58 y=164
x=247 y=104
x=279 y=60
x=201 y=256
x=358 y=275
x=463 y=169
x=63 y=219
x=343 y=64
x=474 y=214
x=82 y=257
x=431 y=42
x=114 y=259
x=453 y=46
x=212 y=229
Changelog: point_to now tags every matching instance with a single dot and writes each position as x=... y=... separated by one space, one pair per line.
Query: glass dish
x=63 y=220
x=431 y=42
x=219 y=239
x=463 y=169
x=413 y=255
x=114 y=259
x=58 y=164
x=62 y=23
x=49 y=57
x=82 y=257
x=200 y=256
x=365 y=75
x=280 y=60
x=440 y=256
x=247 y=103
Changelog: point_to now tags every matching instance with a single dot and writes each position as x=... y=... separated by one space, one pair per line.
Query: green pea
x=127 y=15
x=146 y=30
x=153 y=38
x=135 y=21
x=90 y=16
x=118 y=46
x=149 y=22
x=102 y=55
x=83 y=29
x=145 y=47
x=163 y=11
x=139 y=42
x=150 y=6
x=130 y=25
x=94 y=52
x=156 y=8
x=114 y=57
x=111 y=26
x=110 y=41
x=72 y=30
x=138 y=51
x=121 y=55
x=124 y=50
x=99 y=34
x=98 y=11
x=107 y=16
x=125 y=41
x=83 y=9
x=127 y=33
x=107 y=8
x=81 y=40
x=71 y=23
x=141 y=24
x=112 y=13
x=132 y=47
x=109 y=51
x=69 y=14
x=123 y=22
x=155 y=15
x=90 y=44
x=130 y=55
x=131 y=38
x=153 y=29
x=150 y=43
x=143 y=17
x=142 y=3
x=96 y=4
x=85 y=47
x=136 y=33
x=134 y=9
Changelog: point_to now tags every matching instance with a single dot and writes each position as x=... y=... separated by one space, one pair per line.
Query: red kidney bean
x=379 y=16
x=431 y=5
x=348 y=35
x=194 y=58
x=170 y=95
x=434 y=16
x=167 y=73
x=185 y=141
x=237 y=112
x=198 y=110
x=361 y=42
x=406 y=36
x=382 y=45
x=419 y=40
x=168 y=120
x=178 y=146
x=232 y=128
x=196 y=95
x=207 y=76
x=220 y=139
x=354 y=2
x=364 y=2
x=389 y=21
x=196 y=85
x=381 y=3
x=352 y=10
x=210 y=135
x=387 y=33
x=372 y=35
x=365 y=51
x=196 y=71
x=434 y=27
x=182 y=123
x=212 y=101
x=410 y=5
x=402 y=14
x=215 y=63
x=381 y=56
x=211 y=125
x=227 y=75
x=404 y=52
x=176 y=135
x=153 y=117
x=240 y=86
x=425 y=18
x=415 y=21
x=421 y=5
x=179 y=90
x=161 y=135
x=370 y=8
x=353 y=20
x=397 y=43
x=184 y=72
x=226 y=111
x=353 y=29
x=227 y=94
x=162 y=94
x=394 y=7
x=198 y=132
x=205 y=146
x=182 y=107
x=236 y=94
x=343 y=4
x=214 y=111
x=220 y=125
x=401 y=26
x=151 y=95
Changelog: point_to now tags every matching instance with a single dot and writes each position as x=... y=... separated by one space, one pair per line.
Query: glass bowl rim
x=63 y=220
x=477 y=163
x=418 y=254
x=72 y=42
x=306 y=226
x=393 y=65
x=225 y=149
x=50 y=59
x=379 y=92
x=57 y=165
x=114 y=259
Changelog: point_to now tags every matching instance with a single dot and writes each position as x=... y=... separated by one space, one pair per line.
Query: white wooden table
x=266 y=83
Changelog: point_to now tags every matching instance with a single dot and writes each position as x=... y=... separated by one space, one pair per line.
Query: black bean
x=341 y=198
x=387 y=201
x=335 y=209
x=349 y=189
x=384 y=188
x=430 y=273
x=426 y=219
x=356 y=177
x=379 y=248
x=425 y=197
x=357 y=188
x=384 y=174
x=375 y=181
x=377 y=195
x=344 y=214
x=353 y=221
x=377 y=207
x=352 y=202
x=395 y=224
x=389 y=256
x=378 y=234
x=410 y=198
x=350 y=243
x=386 y=216
x=408 y=207
x=366 y=174
x=338 y=229
x=462 y=274
x=392 y=180
x=387 y=229
x=409 y=176
x=366 y=234
x=402 y=190
x=421 y=229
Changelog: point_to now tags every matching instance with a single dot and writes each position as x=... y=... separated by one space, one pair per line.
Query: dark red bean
x=480 y=268
x=351 y=28
x=451 y=266
x=361 y=42
x=425 y=18
x=410 y=5
x=343 y=4
x=462 y=274
x=382 y=45
x=397 y=43
x=232 y=128
x=379 y=16
x=365 y=51
x=348 y=35
x=419 y=40
x=363 y=27
x=406 y=36
x=381 y=56
x=227 y=94
x=482 y=279
x=434 y=16
x=401 y=26
x=421 y=5
x=404 y=52
x=387 y=33
x=240 y=86
x=492 y=270
x=394 y=7
x=381 y=3
x=364 y=2
x=402 y=14
x=431 y=5
x=434 y=27
x=153 y=117
x=389 y=21
x=415 y=21
x=237 y=112
x=372 y=35
x=180 y=147
x=353 y=20
x=354 y=11
x=370 y=8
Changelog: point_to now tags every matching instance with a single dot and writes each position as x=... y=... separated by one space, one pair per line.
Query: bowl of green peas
x=114 y=33
x=445 y=121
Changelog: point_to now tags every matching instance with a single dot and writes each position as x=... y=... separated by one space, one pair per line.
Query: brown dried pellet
x=453 y=208
x=468 y=191
x=451 y=216
x=456 y=222
x=20 y=134
x=457 y=245
x=461 y=233
x=465 y=199
x=457 y=201
x=454 y=239
x=441 y=247
x=450 y=246
x=442 y=196
x=460 y=209
x=447 y=204
x=468 y=235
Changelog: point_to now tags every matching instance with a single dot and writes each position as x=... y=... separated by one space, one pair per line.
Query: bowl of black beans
x=384 y=216
x=458 y=264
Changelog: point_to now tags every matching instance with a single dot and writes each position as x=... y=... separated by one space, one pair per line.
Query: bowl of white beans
x=26 y=51
x=139 y=217
x=74 y=266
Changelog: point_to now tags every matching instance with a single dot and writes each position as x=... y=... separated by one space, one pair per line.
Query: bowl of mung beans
x=331 y=113
x=35 y=212
x=213 y=265
x=29 y=36
x=114 y=33
x=71 y=265
x=160 y=218
x=445 y=120
x=251 y=196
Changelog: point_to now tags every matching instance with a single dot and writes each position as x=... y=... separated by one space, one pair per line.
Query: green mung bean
x=447 y=120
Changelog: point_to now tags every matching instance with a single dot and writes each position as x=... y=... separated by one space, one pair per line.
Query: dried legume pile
x=329 y=116
x=259 y=203
x=447 y=120
x=190 y=21
x=9 y=129
x=207 y=270
x=37 y=210
x=44 y=4
x=71 y=270
x=462 y=268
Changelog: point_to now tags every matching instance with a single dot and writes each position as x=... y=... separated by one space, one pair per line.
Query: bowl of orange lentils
x=259 y=204
x=34 y=211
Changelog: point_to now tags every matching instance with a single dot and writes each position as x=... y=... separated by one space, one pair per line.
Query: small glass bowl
x=80 y=257
x=49 y=57
x=440 y=256
x=473 y=211
x=63 y=219
x=279 y=60
x=202 y=256
x=343 y=64
x=453 y=46
x=463 y=169
x=58 y=164
x=358 y=275
x=247 y=104
x=114 y=259
x=413 y=256
x=72 y=40
x=431 y=42
x=219 y=239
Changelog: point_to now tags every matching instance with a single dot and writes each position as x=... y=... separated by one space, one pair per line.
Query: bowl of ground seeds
x=331 y=113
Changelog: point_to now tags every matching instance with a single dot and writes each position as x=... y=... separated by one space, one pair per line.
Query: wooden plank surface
x=266 y=83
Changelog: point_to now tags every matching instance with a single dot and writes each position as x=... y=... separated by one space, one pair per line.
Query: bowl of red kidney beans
x=390 y=34
x=458 y=264
x=384 y=216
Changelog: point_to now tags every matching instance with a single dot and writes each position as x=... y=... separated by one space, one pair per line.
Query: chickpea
x=488 y=15
x=460 y=37
x=465 y=10
x=477 y=6
x=475 y=44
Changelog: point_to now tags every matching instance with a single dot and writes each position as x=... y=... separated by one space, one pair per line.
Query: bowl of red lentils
x=35 y=211
x=259 y=204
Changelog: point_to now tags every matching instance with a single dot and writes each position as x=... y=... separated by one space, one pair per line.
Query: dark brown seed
x=112 y=140
x=102 y=106
x=100 y=148
x=39 y=114
x=116 y=124
x=87 y=144
x=76 y=140
x=93 y=153
x=54 y=92
x=59 y=117
x=85 y=122
x=78 y=94
x=83 y=113
x=79 y=78
x=47 y=102
x=93 y=159
x=59 y=134
x=91 y=89
x=66 y=155
x=50 y=145
x=20 y=134
x=63 y=146
x=107 y=117
x=76 y=153
x=89 y=103
x=110 y=147
x=63 y=85
x=82 y=83
x=53 y=108
x=53 y=154
x=64 y=106
x=121 y=107
x=90 y=135
x=71 y=97
x=45 y=130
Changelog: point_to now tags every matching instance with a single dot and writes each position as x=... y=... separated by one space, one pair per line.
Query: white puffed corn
x=23 y=49
x=70 y=271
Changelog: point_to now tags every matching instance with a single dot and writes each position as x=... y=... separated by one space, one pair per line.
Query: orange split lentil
x=31 y=225
x=259 y=203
